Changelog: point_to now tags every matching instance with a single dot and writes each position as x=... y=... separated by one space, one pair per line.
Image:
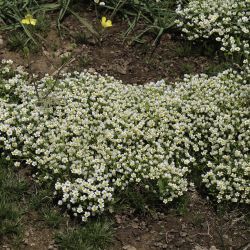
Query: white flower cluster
x=101 y=3
x=93 y=136
x=226 y=21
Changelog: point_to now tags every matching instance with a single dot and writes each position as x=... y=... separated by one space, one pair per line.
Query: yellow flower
x=106 y=23
x=29 y=20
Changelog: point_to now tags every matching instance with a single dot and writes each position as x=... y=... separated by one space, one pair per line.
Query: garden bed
x=155 y=161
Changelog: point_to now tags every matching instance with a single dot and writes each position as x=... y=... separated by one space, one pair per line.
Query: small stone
x=213 y=248
x=158 y=244
x=46 y=53
x=91 y=70
x=118 y=219
x=26 y=242
x=162 y=216
x=129 y=247
x=27 y=234
x=180 y=243
x=168 y=36
x=69 y=47
x=183 y=234
x=6 y=247
x=1 y=42
x=189 y=240
x=134 y=225
x=143 y=224
x=200 y=248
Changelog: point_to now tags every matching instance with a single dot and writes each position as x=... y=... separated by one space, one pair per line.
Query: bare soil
x=199 y=228
x=133 y=64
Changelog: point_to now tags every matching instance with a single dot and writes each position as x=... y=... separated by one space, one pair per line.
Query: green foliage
x=11 y=184
x=52 y=217
x=187 y=68
x=142 y=201
x=214 y=69
x=12 y=188
x=84 y=61
x=17 y=41
x=42 y=199
x=43 y=23
x=197 y=219
x=183 y=49
x=145 y=16
x=12 y=12
x=80 y=38
x=95 y=235
x=181 y=205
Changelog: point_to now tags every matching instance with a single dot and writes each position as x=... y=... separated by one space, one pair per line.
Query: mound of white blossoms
x=226 y=21
x=92 y=136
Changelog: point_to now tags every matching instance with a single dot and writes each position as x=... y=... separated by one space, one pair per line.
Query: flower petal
x=25 y=21
x=109 y=23
x=33 y=21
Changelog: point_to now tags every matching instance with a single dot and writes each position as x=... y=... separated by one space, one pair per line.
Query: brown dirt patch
x=199 y=228
x=136 y=64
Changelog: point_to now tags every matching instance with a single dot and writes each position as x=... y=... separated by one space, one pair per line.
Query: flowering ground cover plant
x=92 y=136
x=226 y=21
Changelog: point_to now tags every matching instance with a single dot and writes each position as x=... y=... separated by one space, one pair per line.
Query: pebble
x=213 y=248
x=51 y=247
x=1 y=42
x=27 y=234
x=161 y=245
x=6 y=247
x=200 y=248
x=204 y=248
x=189 y=240
x=180 y=242
x=158 y=244
x=129 y=247
x=183 y=234
x=26 y=242
x=134 y=225
x=91 y=70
